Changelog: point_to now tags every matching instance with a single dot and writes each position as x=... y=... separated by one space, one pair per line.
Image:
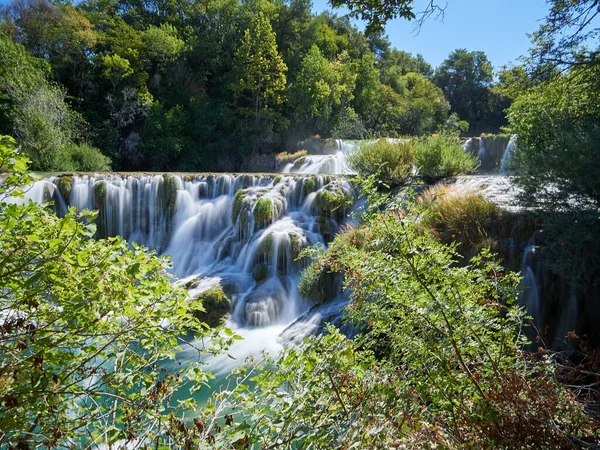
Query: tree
x=557 y=123
x=367 y=79
x=568 y=37
x=39 y=115
x=323 y=90
x=464 y=77
x=426 y=107
x=377 y=13
x=260 y=68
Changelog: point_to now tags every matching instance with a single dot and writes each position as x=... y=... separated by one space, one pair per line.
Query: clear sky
x=497 y=27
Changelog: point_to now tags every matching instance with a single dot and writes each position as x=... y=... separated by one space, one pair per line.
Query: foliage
x=187 y=87
x=391 y=162
x=465 y=77
x=39 y=115
x=438 y=362
x=84 y=158
x=466 y=219
x=85 y=326
x=318 y=284
x=284 y=158
x=260 y=67
x=568 y=37
x=441 y=156
x=558 y=134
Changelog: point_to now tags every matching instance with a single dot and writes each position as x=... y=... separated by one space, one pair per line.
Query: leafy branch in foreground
x=439 y=361
x=84 y=327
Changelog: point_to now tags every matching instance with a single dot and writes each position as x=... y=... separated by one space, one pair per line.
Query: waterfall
x=334 y=163
x=506 y=157
x=240 y=233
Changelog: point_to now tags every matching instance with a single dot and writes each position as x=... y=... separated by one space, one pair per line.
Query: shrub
x=85 y=158
x=391 y=162
x=441 y=156
x=459 y=216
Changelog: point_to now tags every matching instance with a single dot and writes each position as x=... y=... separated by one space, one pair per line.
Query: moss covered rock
x=260 y=272
x=318 y=284
x=168 y=195
x=238 y=203
x=64 y=185
x=332 y=201
x=99 y=195
x=263 y=211
x=309 y=185
x=216 y=305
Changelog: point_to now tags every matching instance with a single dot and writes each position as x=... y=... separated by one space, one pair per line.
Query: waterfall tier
x=238 y=233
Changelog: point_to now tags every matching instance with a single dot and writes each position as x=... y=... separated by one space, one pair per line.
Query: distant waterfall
x=241 y=232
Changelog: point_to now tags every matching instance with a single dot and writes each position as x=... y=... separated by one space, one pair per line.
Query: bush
x=462 y=217
x=441 y=156
x=85 y=158
x=391 y=162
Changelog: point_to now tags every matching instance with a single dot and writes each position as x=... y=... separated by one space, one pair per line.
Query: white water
x=191 y=218
x=506 y=157
x=330 y=164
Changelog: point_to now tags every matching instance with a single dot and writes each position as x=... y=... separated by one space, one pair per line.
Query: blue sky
x=497 y=27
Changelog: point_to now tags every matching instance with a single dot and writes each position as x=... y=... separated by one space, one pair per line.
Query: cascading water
x=334 y=163
x=241 y=234
x=506 y=157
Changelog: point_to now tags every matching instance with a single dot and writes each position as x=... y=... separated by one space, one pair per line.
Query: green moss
x=238 y=202
x=276 y=180
x=309 y=185
x=64 y=185
x=296 y=242
x=99 y=195
x=260 y=272
x=216 y=305
x=329 y=201
x=168 y=194
x=318 y=284
x=265 y=245
x=263 y=211
x=298 y=163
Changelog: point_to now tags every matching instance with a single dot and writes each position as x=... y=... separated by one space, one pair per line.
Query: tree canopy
x=181 y=86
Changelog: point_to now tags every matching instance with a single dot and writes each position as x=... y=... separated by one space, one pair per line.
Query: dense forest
x=195 y=86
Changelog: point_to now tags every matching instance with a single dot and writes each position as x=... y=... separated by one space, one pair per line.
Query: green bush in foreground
x=84 y=327
x=391 y=162
x=441 y=156
x=439 y=362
